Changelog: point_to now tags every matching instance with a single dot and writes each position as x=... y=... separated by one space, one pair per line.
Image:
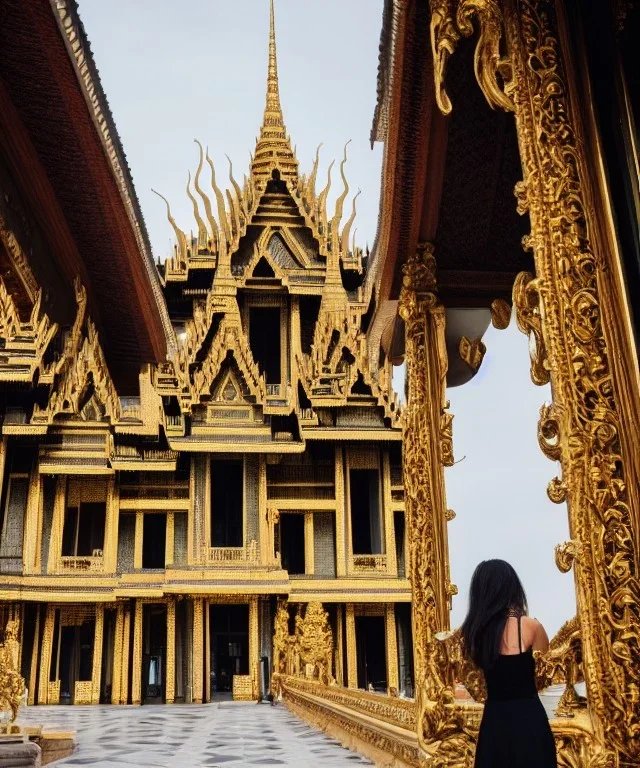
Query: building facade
x=179 y=464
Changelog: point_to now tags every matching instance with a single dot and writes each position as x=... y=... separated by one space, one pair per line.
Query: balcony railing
x=369 y=563
x=232 y=555
x=85 y=563
x=274 y=390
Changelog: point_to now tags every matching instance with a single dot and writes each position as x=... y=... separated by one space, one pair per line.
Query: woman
x=500 y=639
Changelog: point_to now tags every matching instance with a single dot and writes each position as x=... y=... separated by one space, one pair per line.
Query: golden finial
x=273 y=110
x=273 y=148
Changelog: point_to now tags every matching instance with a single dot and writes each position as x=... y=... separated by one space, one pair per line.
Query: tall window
x=83 y=531
x=227 y=502
x=154 y=537
x=364 y=494
x=264 y=339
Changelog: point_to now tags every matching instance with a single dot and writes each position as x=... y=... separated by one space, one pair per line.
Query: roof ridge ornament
x=273 y=147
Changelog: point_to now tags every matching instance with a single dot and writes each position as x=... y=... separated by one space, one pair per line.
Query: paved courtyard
x=190 y=736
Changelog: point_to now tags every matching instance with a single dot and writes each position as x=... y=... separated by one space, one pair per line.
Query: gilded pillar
x=309 y=545
x=352 y=658
x=34 y=657
x=427 y=450
x=170 y=539
x=97 y=654
x=171 y=651
x=254 y=645
x=45 y=655
x=207 y=652
x=387 y=512
x=198 y=649
x=341 y=558
x=126 y=645
x=339 y=673
x=116 y=676
x=264 y=529
x=574 y=310
x=32 y=537
x=111 y=527
x=136 y=672
x=57 y=525
x=391 y=644
x=137 y=542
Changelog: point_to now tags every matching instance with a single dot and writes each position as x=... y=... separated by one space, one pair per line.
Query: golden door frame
x=575 y=309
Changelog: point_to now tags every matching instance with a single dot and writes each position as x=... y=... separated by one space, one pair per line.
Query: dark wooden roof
x=60 y=142
x=445 y=180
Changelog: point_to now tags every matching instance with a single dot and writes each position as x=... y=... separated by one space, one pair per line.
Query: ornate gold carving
x=500 y=314
x=24 y=343
x=564 y=309
x=526 y=298
x=12 y=685
x=562 y=663
x=451 y=19
x=82 y=387
x=472 y=352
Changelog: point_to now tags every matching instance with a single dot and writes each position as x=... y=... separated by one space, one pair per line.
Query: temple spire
x=273 y=149
x=273 y=109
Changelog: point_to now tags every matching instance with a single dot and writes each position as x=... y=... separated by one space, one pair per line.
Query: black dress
x=515 y=731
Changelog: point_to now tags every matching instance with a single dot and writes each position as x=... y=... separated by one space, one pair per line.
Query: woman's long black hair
x=495 y=592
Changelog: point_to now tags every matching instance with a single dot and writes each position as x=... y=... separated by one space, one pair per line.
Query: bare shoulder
x=535 y=634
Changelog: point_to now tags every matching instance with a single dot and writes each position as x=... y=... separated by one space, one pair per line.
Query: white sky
x=197 y=69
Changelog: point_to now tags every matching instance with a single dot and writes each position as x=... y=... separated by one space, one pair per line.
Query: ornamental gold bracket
x=453 y=19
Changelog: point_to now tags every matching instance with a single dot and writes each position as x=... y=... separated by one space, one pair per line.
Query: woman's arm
x=540 y=640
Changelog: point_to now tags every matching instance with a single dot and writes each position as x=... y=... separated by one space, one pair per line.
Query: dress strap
x=520 y=633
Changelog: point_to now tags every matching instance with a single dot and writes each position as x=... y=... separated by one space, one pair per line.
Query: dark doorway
x=292 y=542
x=154 y=653
x=154 y=540
x=229 y=628
x=364 y=494
x=371 y=650
x=74 y=658
x=227 y=501
x=264 y=339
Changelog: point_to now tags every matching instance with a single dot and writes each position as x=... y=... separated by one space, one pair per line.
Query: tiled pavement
x=224 y=735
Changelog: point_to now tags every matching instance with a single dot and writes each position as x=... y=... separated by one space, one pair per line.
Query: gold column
x=111 y=528
x=32 y=537
x=393 y=676
x=137 y=546
x=205 y=504
x=136 y=672
x=339 y=674
x=254 y=644
x=352 y=658
x=309 y=549
x=116 y=675
x=198 y=650
x=171 y=651
x=207 y=652
x=575 y=310
x=97 y=654
x=191 y=513
x=55 y=541
x=266 y=541
x=387 y=511
x=427 y=450
x=45 y=655
x=170 y=539
x=126 y=643
x=341 y=561
x=34 y=656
